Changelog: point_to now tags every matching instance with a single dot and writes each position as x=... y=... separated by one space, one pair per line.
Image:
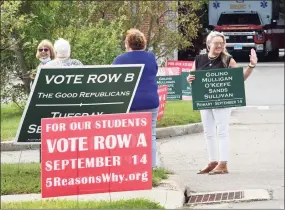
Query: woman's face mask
x=45 y=60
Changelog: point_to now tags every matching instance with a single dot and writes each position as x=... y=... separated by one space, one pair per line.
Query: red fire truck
x=248 y=24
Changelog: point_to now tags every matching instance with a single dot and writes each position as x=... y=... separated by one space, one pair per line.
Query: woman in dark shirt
x=146 y=96
x=217 y=120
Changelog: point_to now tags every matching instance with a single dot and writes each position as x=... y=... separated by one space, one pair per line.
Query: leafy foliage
x=99 y=44
x=25 y=23
x=160 y=20
x=95 y=30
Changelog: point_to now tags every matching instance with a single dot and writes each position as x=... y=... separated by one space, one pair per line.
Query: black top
x=202 y=62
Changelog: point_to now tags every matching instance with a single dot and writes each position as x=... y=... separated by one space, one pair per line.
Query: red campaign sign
x=96 y=154
x=162 y=93
x=168 y=71
x=185 y=66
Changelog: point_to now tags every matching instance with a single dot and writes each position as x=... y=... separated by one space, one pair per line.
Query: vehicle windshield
x=239 y=19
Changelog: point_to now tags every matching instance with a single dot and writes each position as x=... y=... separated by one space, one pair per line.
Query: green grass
x=179 y=113
x=159 y=174
x=73 y=204
x=10 y=119
x=20 y=178
x=25 y=178
x=176 y=113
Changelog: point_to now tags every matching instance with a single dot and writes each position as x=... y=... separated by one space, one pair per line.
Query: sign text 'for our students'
x=96 y=154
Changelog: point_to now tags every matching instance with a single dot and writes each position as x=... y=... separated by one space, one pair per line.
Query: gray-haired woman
x=62 y=55
x=217 y=120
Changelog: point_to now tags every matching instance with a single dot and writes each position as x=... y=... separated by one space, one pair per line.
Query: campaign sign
x=168 y=71
x=218 y=88
x=162 y=93
x=186 y=87
x=172 y=78
x=77 y=91
x=96 y=154
x=185 y=67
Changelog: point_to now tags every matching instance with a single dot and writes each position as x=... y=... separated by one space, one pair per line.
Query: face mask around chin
x=44 y=60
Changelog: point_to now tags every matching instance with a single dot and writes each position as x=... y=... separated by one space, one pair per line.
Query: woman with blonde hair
x=217 y=120
x=146 y=96
x=45 y=52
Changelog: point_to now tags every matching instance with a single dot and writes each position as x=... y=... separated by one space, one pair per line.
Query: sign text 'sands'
x=218 y=88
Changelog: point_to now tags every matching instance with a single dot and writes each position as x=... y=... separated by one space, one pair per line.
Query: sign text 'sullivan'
x=218 y=88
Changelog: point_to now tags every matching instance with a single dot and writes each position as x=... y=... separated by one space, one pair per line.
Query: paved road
x=257 y=145
x=266 y=85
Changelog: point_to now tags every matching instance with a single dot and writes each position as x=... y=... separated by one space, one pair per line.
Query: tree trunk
x=23 y=70
x=150 y=27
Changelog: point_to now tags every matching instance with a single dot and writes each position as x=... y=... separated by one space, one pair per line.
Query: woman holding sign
x=146 y=97
x=217 y=120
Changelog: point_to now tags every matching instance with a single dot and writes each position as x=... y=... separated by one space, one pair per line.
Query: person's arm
x=247 y=70
x=193 y=66
x=190 y=77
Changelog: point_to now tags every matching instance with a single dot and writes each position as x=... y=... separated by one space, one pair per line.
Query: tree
x=95 y=29
x=12 y=21
x=159 y=20
x=25 y=23
x=99 y=44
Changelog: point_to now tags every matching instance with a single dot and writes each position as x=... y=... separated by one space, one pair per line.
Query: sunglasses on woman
x=45 y=49
x=216 y=44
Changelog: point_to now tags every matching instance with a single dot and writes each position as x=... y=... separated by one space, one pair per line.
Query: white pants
x=216 y=124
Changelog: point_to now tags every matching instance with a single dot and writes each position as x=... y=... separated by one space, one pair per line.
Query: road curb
x=179 y=130
x=11 y=146
x=167 y=194
x=166 y=132
x=175 y=194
